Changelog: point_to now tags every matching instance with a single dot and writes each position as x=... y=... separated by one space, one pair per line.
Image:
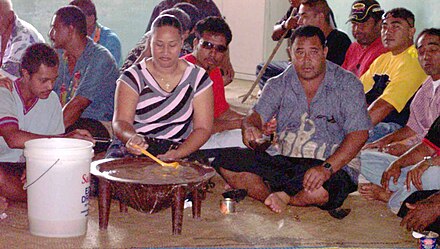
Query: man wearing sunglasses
x=213 y=36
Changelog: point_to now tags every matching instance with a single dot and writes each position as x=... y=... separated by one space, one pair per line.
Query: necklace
x=167 y=85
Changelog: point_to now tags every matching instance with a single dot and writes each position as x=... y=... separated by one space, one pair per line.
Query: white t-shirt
x=44 y=117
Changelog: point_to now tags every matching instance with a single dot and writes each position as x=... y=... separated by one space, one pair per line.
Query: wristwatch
x=429 y=160
x=328 y=167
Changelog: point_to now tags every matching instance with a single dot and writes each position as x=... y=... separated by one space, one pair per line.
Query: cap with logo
x=361 y=10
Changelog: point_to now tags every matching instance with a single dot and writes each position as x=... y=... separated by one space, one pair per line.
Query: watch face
x=327 y=165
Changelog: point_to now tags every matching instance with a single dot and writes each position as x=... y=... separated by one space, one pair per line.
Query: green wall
x=128 y=18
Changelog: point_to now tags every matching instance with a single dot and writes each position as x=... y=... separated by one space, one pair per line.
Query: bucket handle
x=25 y=187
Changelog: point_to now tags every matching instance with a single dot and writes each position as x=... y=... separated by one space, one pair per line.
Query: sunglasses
x=209 y=45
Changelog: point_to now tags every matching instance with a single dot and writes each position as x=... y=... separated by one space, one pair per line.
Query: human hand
x=292 y=21
x=415 y=175
x=250 y=136
x=6 y=82
x=134 y=143
x=376 y=145
x=80 y=134
x=420 y=215
x=170 y=155
x=270 y=127
x=228 y=74
x=392 y=171
x=315 y=177
x=395 y=149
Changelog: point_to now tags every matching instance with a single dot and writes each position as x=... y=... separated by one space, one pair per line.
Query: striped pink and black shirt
x=160 y=114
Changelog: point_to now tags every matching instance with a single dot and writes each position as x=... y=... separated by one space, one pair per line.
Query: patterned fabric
x=43 y=117
x=314 y=131
x=160 y=114
x=425 y=108
x=94 y=77
x=108 y=39
x=395 y=79
x=23 y=34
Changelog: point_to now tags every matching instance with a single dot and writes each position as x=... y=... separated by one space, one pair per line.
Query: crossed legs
x=276 y=201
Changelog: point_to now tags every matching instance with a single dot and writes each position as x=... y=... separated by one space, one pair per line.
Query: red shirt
x=218 y=88
x=358 y=59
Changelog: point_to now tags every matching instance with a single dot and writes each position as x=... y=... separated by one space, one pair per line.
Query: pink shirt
x=358 y=59
x=424 y=109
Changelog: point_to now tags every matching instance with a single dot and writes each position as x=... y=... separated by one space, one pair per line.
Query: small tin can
x=227 y=206
x=429 y=241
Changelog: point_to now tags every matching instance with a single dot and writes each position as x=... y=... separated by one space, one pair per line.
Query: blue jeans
x=374 y=163
x=382 y=129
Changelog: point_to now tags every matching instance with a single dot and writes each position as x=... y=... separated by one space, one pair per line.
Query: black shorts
x=287 y=173
x=13 y=169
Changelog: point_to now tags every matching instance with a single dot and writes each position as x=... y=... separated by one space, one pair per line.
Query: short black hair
x=166 y=20
x=183 y=17
x=37 y=54
x=308 y=31
x=72 y=15
x=403 y=13
x=319 y=6
x=87 y=6
x=430 y=31
x=213 y=24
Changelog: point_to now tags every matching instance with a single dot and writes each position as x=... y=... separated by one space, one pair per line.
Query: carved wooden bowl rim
x=205 y=172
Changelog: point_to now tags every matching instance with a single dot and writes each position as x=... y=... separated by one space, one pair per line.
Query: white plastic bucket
x=58 y=186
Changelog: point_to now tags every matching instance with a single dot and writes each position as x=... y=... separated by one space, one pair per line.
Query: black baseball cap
x=361 y=10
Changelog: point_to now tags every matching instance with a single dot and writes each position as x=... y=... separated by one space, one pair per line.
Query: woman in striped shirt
x=164 y=103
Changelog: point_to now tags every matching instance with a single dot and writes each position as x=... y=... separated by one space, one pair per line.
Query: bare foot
x=3 y=204
x=372 y=191
x=277 y=201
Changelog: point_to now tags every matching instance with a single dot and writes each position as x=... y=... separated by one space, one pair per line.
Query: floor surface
x=369 y=225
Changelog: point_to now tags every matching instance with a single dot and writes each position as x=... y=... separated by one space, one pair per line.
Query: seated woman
x=163 y=103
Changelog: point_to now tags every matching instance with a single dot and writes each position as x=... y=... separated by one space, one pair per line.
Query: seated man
x=86 y=76
x=414 y=170
x=394 y=77
x=99 y=33
x=16 y=35
x=366 y=20
x=32 y=110
x=425 y=107
x=316 y=13
x=322 y=122
x=213 y=36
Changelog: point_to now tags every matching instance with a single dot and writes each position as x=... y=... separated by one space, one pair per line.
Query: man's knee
x=240 y=179
x=318 y=197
